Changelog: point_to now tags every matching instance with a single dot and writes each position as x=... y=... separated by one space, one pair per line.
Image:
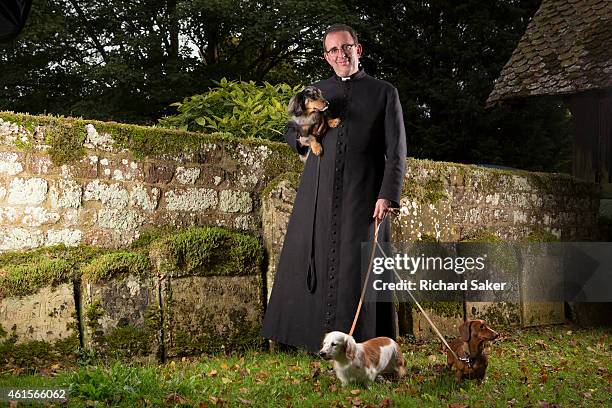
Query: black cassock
x=318 y=279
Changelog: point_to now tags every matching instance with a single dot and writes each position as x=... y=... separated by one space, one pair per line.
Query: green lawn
x=542 y=367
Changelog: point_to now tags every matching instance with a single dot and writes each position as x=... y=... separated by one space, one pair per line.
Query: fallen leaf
x=587 y=394
x=457 y=405
x=225 y=380
x=203 y=404
x=245 y=401
x=175 y=399
x=355 y=392
x=212 y=373
x=542 y=344
x=543 y=378
x=224 y=366
x=386 y=403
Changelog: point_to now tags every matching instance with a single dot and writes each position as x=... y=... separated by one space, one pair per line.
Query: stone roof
x=567 y=48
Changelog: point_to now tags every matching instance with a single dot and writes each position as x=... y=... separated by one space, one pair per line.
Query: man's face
x=346 y=60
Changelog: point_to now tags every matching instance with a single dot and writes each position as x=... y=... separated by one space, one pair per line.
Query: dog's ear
x=465 y=330
x=351 y=347
x=296 y=107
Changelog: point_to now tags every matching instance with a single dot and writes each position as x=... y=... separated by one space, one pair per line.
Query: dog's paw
x=333 y=123
x=316 y=148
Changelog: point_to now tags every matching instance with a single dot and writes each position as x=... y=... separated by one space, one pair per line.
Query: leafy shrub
x=243 y=109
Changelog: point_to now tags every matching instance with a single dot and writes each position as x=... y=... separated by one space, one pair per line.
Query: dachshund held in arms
x=308 y=109
x=362 y=362
x=469 y=347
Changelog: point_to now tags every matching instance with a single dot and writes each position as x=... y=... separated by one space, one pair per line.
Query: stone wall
x=72 y=181
x=449 y=202
x=119 y=182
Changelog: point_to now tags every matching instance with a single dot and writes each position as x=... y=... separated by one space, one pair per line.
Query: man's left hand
x=381 y=208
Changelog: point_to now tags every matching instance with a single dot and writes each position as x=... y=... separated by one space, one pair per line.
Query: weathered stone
x=67 y=194
x=39 y=164
x=8 y=215
x=121 y=317
x=44 y=316
x=2 y=192
x=139 y=197
x=192 y=199
x=157 y=173
x=31 y=191
x=20 y=238
x=37 y=216
x=235 y=201
x=211 y=314
x=447 y=324
x=9 y=163
x=112 y=195
x=68 y=237
x=120 y=219
x=95 y=140
x=187 y=175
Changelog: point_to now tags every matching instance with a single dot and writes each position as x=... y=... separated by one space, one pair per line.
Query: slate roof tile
x=567 y=47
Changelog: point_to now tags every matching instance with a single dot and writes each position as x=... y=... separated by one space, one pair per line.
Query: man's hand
x=381 y=208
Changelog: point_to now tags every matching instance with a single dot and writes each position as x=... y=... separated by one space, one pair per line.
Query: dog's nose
x=322 y=354
x=496 y=335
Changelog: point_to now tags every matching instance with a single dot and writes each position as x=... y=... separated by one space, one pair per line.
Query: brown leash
x=365 y=285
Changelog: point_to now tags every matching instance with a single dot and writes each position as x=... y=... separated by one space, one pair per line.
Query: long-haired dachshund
x=362 y=362
x=469 y=347
x=308 y=109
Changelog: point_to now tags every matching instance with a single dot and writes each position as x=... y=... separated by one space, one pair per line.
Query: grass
x=541 y=367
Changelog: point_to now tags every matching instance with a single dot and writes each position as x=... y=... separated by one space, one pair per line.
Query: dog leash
x=377 y=225
x=365 y=285
x=433 y=326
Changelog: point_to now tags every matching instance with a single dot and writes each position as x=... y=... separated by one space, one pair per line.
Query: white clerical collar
x=345 y=78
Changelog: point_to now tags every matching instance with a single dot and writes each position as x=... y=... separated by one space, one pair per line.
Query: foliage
x=243 y=109
x=527 y=367
x=125 y=60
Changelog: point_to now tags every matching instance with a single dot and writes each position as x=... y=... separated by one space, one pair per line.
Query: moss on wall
x=208 y=251
x=116 y=265
x=65 y=136
x=292 y=177
x=23 y=273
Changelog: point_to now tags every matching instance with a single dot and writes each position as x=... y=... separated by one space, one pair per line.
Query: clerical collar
x=359 y=74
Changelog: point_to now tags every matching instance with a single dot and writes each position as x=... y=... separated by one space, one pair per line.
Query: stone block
x=191 y=199
x=122 y=317
x=187 y=175
x=27 y=191
x=66 y=194
x=158 y=173
x=498 y=315
x=11 y=163
x=235 y=201
x=68 y=237
x=48 y=315
x=111 y=195
x=447 y=319
x=146 y=198
x=20 y=238
x=211 y=314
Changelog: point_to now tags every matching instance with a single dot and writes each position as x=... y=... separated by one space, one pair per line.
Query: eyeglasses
x=346 y=48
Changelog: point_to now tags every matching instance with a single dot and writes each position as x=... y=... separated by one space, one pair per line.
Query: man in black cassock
x=356 y=179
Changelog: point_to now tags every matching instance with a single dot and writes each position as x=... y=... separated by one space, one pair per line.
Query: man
x=356 y=179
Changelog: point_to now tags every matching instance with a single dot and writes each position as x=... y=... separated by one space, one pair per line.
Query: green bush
x=243 y=109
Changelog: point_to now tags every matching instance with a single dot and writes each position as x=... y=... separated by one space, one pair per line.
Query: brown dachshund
x=469 y=347
x=309 y=110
